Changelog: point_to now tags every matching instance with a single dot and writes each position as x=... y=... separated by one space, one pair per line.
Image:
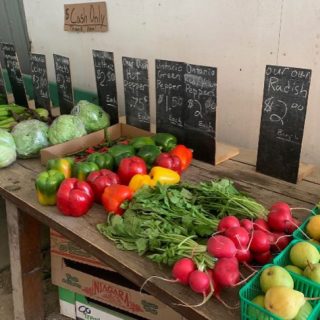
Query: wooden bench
x=25 y=216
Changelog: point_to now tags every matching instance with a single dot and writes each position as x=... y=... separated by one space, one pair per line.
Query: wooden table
x=25 y=216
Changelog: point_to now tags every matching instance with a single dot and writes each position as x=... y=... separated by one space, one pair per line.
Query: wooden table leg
x=25 y=260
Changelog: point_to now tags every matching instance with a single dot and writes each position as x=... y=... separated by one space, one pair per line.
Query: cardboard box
x=79 y=307
x=108 y=287
x=76 y=145
x=65 y=248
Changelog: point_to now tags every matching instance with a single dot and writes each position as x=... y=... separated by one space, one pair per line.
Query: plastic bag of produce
x=93 y=116
x=30 y=137
x=65 y=128
x=8 y=153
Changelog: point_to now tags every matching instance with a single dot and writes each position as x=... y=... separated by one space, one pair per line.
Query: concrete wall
x=238 y=37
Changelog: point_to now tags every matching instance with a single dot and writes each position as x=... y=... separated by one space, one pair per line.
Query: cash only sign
x=85 y=17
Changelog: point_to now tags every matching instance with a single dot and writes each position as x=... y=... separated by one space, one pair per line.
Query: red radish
x=247 y=224
x=199 y=281
x=221 y=247
x=228 y=222
x=261 y=224
x=182 y=270
x=226 y=273
x=244 y=255
x=263 y=257
x=292 y=225
x=281 y=240
x=260 y=242
x=279 y=217
x=239 y=236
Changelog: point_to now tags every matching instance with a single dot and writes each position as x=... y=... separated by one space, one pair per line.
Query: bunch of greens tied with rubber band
x=168 y=222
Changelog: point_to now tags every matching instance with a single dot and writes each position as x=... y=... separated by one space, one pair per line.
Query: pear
x=275 y=276
x=312 y=271
x=294 y=269
x=284 y=302
x=313 y=227
x=304 y=312
x=303 y=253
x=255 y=313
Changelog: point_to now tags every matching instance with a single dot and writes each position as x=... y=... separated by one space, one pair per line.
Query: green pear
x=312 y=271
x=294 y=269
x=313 y=227
x=284 y=302
x=304 y=312
x=255 y=313
x=275 y=276
x=303 y=253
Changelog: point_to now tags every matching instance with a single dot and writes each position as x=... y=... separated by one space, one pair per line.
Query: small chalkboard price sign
x=136 y=91
x=64 y=84
x=40 y=81
x=199 y=117
x=284 y=107
x=170 y=97
x=14 y=73
x=106 y=83
x=3 y=91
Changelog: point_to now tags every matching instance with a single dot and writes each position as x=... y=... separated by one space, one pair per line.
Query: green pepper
x=103 y=160
x=47 y=184
x=63 y=165
x=149 y=153
x=139 y=142
x=166 y=141
x=82 y=169
x=121 y=151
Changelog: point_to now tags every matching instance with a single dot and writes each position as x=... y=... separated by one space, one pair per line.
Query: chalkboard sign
x=199 y=117
x=40 y=81
x=3 y=91
x=12 y=65
x=282 y=121
x=64 y=84
x=106 y=83
x=171 y=97
x=136 y=91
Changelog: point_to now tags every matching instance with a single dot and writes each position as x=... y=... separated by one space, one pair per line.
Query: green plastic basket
x=297 y=234
x=252 y=311
x=283 y=259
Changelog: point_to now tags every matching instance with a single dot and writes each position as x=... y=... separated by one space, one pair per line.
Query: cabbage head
x=93 y=116
x=8 y=153
x=65 y=128
x=30 y=137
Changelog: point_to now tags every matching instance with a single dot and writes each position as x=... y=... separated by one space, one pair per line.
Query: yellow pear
x=313 y=227
x=284 y=302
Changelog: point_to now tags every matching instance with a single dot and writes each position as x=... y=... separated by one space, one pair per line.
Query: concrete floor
x=50 y=291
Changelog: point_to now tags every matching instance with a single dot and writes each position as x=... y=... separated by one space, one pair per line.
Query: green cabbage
x=8 y=153
x=65 y=128
x=30 y=137
x=93 y=116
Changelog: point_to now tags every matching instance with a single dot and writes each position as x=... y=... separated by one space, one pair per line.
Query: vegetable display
x=166 y=141
x=81 y=170
x=103 y=160
x=63 y=165
x=30 y=137
x=92 y=116
x=8 y=153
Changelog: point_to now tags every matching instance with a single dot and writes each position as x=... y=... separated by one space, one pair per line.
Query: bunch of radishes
x=254 y=241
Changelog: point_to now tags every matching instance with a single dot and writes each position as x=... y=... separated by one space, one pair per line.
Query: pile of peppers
x=112 y=176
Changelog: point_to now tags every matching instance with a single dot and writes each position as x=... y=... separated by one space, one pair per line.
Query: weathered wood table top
x=25 y=217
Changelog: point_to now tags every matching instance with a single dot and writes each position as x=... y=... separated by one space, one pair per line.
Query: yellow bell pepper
x=139 y=180
x=164 y=175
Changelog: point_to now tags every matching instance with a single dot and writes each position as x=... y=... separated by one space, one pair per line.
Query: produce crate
x=252 y=311
x=283 y=259
x=298 y=234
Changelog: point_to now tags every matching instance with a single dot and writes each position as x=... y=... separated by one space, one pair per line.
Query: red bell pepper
x=114 y=196
x=170 y=161
x=101 y=179
x=185 y=155
x=74 y=197
x=129 y=167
